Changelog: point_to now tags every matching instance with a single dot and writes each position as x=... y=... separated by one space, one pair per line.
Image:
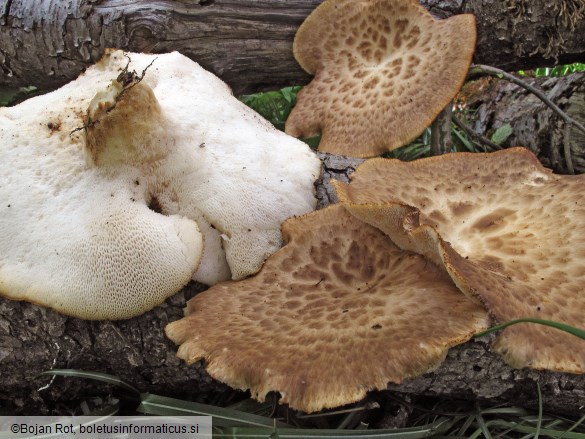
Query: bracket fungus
x=338 y=311
x=169 y=174
x=507 y=230
x=384 y=69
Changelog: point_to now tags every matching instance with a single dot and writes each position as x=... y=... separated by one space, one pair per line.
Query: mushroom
x=384 y=69
x=119 y=186
x=507 y=230
x=338 y=311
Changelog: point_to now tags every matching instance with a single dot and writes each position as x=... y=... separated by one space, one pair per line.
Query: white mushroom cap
x=77 y=239
x=232 y=169
x=76 y=233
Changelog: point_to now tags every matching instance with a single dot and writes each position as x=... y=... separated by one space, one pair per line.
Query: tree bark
x=247 y=43
x=496 y=102
x=441 y=140
x=34 y=339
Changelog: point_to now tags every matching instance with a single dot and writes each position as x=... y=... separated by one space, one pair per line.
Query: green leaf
x=275 y=106
x=290 y=94
x=11 y=95
x=501 y=134
x=313 y=142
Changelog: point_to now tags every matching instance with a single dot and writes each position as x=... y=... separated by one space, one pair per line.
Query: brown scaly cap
x=507 y=230
x=383 y=71
x=338 y=311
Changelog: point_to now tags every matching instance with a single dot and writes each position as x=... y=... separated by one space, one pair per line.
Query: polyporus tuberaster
x=383 y=71
x=338 y=311
x=76 y=231
x=508 y=231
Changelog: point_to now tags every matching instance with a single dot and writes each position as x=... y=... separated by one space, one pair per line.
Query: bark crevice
x=248 y=43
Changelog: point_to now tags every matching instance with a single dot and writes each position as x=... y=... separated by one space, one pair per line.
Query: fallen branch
x=492 y=103
x=247 y=43
x=475 y=69
x=34 y=339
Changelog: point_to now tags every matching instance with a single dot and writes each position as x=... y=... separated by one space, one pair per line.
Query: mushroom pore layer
x=119 y=187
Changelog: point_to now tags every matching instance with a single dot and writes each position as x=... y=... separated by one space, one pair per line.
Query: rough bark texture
x=247 y=43
x=498 y=102
x=33 y=339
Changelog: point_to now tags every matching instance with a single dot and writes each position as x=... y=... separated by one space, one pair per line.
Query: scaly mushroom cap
x=338 y=311
x=508 y=231
x=101 y=222
x=383 y=71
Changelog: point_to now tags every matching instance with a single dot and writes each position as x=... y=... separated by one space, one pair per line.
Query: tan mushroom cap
x=507 y=230
x=383 y=71
x=338 y=311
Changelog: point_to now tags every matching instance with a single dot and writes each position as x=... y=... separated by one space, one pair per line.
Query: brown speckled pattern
x=338 y=311
x=383 y=71
x=508 y=230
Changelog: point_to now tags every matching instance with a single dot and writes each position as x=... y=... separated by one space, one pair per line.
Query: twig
x=441 y=139
x=477 y=137
x=127 y=80
x=480 y=68
x=567 y=149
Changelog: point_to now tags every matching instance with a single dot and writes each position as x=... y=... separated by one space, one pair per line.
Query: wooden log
x=34 y=339
x=493 y=103
x=247 y=43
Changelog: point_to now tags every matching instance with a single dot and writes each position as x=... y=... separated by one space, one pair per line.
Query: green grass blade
x=98 y=376
x=539 y=422
x=468 y=421
x=465 y=141
x=577 y=424
x=483 y=427
x=562 y=326
x=163 y=406
x=544 y=432
x=425 y=431
x=252 y=406
x=513 y=411
x=574 y=426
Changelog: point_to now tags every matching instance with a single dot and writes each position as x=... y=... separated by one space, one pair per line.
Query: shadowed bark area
x=247 y=43
x=497 y=102
x=33 y=339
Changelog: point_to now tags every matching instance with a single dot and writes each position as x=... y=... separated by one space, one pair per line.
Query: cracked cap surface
x=509 y=232
x=338 y=311
x=384 y=69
